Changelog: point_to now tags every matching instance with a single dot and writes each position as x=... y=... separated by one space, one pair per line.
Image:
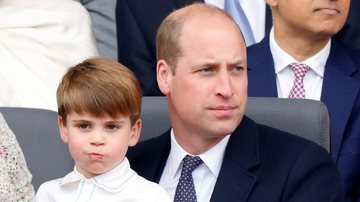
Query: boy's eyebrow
x=115 y=121
x=80 y=120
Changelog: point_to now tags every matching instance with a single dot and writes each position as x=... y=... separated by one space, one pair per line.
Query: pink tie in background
x=298 y=90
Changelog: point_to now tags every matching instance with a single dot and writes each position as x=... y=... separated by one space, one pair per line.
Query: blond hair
x=99 y=86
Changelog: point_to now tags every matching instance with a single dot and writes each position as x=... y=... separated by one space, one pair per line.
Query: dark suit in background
x=137 y=24
x=340 y=93
x=260 y=164
x=350 y=33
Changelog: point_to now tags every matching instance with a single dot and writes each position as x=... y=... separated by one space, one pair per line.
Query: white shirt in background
x=39 y=40
x=285 y=77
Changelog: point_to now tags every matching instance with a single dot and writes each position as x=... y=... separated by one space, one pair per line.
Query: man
x=138 y=20
x=202 y=71
x=302 y=34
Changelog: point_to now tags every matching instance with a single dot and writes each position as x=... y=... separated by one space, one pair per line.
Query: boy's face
x=98 y=144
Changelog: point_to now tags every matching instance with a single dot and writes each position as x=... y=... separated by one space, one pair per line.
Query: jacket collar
x=242 y=154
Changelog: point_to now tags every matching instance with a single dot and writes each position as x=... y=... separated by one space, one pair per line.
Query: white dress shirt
x=255 y=12
x=118 y=184
x=204 y=176
x=285 y=77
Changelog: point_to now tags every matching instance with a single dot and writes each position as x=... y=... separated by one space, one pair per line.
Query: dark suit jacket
x=260 y=164
x=137 y=22
x=350 y=33
x=340 y=93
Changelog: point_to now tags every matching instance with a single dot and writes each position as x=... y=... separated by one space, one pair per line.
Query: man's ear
x=272 y=3
x=135 y=133
x=63 y=130
x=163 y=76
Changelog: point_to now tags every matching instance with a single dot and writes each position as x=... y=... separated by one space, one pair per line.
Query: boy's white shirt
x=119 y=184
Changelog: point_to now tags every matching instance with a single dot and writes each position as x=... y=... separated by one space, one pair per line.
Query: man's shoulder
x=283 y=145
x=145 y=150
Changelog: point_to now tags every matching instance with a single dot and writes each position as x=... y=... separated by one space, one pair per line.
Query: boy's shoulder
x=47 y=190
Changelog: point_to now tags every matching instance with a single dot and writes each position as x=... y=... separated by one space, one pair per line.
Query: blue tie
x=185 y=190
x=234 y=9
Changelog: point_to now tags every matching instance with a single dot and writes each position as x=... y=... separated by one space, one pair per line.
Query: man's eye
x=238 y=68
x=206 y=70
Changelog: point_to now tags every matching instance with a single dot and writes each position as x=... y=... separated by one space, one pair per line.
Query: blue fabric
x=233 y=7
x=341 y=95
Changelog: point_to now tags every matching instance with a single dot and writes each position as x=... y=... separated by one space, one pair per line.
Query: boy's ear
x=63 y=130
x=135 y=133
x=163 y=76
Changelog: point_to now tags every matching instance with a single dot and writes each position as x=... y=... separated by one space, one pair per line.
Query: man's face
x=208 y=93
x=316 y=18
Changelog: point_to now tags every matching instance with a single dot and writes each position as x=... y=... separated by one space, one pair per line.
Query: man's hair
x=168 y=35
x=99 y=86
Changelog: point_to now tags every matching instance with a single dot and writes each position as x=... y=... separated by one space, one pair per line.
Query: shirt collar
x=212 y=158
x=111 y=181
x=282 y=59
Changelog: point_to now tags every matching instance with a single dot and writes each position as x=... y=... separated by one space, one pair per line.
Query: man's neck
x=300 y=46
x=196 y=145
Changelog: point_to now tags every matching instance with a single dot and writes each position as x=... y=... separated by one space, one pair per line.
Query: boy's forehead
x=90 y=115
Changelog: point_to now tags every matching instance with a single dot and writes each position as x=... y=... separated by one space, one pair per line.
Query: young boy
x=99 y=103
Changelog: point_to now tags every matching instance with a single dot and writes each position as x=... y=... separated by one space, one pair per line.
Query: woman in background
x=15 y=177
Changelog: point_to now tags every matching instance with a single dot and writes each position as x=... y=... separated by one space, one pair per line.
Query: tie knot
x=190 y=163
x=299 y=69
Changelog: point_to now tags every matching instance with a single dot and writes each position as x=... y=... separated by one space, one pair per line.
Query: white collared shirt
x=255 y=12
x=204 y=176
x=285 y=77
x=118 y=184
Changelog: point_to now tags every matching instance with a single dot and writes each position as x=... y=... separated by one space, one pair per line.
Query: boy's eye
x=84 y=126
x=112 y=127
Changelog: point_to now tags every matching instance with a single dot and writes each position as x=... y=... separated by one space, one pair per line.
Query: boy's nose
x=97 y=138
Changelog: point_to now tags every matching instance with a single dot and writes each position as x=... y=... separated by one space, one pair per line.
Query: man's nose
x=224 y=86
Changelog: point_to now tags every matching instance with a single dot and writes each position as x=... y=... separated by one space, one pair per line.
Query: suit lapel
x=241 y=154
x=261 y=71
x=339 y=92
x=152 y=163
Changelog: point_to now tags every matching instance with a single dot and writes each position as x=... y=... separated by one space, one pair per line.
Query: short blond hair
x=99 y=86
